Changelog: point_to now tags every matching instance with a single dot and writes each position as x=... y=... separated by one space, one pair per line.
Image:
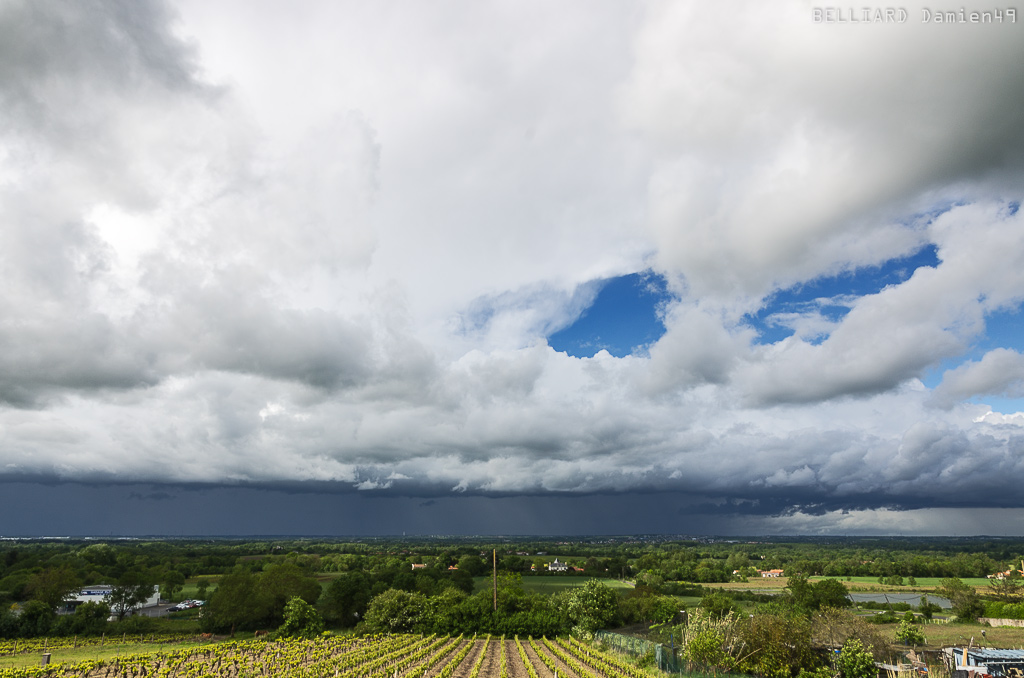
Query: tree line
x=249 y=583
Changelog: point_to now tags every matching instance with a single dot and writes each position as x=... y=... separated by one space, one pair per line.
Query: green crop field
x=768 y=585
x=551 y=584
x=919 y=582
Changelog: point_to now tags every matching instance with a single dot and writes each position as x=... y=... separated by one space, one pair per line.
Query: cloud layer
x=244 y=245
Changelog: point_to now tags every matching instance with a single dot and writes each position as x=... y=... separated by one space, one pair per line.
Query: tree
x=831 y=593
x=835 y=627
x=966 y=602
x=718 y=604
x=776 y=642
x=346 y=599
x=90 y=618
x=706 y=648
x=9 y=623
x=647 y=606
x=445 y=613
x=234 y=604
x=395 y=611
x=128 y=594
x=591 y=607
x=951 y=587
x=855 y=661
x=173 y=582
x=301 y=620
x=280 y=583
x=809 y=597
x=800 y=592
x=36 y=618
x=928 y=608
x=53 y=586
x=201 y=588
x=1006 y=588
x=707 y=641
x=474 y=565
x=462 y=580
x=908 y=634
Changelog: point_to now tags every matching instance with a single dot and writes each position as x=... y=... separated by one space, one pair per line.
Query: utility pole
x=494 y=579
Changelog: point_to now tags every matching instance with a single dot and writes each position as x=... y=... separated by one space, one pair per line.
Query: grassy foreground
x=944 y=635
x=110 y=650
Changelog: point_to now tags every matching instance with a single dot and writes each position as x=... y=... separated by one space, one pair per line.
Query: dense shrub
x=1004 y=610
x=908 y=634
x=855 y=661
x=301 y=620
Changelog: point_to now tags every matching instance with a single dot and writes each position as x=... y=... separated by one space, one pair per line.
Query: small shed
x=985 y=660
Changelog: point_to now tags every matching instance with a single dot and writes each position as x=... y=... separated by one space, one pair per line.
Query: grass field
x=107 y=651
x=920 y=582
x=923 y=584
x=549 y=585
x=943 y=635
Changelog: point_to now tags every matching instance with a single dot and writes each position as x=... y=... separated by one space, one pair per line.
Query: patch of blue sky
x=1000 y=404
x=816 y=305
x=625 y=318
x=1003 y=329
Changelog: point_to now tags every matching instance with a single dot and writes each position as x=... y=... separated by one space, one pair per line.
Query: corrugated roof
x=989 y=654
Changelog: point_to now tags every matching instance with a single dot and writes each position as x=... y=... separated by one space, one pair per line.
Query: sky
x=603 y=267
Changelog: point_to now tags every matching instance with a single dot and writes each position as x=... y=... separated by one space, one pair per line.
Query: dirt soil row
x=491 y=667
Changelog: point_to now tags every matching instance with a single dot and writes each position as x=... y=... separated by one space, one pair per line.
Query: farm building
x=99 y=593
x=985 y=660
x=1008 y=574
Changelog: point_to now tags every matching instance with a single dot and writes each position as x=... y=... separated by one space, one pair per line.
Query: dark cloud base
x=77 y=509
x=46 y=508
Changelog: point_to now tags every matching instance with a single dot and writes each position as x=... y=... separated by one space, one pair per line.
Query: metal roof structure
x=991 y=660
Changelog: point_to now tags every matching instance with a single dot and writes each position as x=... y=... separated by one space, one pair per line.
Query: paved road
x=154 y=611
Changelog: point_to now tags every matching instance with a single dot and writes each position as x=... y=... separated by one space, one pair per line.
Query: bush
x=395 y=611
x=718 y=604
x=887 y=617
x=134 y=625
x=873 y=605
x=301 y=620
x=908 y=634
x=821 y=672
x=678 y=588
x=89 y=619
x=927 y=608
x=776 y=643
x=705 y=648
x=1004 y=610
x=591 y=607
x=856 y=662
x=36 y=619
x=967 y=604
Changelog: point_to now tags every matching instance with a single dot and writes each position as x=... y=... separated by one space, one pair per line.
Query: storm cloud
x=316 y=252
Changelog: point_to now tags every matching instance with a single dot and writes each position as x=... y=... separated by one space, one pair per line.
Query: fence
x=664 y=657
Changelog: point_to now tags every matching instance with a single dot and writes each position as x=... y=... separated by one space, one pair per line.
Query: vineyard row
x=398 y=656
